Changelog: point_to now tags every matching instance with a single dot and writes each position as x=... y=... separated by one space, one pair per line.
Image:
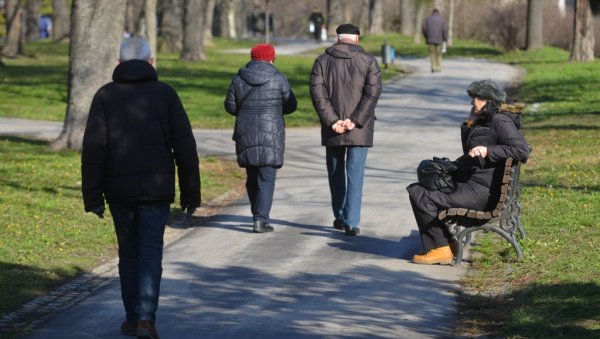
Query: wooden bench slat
x=480 y=215
x=495 y=212
x=443 y=215
x=488 y=215
x=471 y=214
x=461 y=211
x=506 y=179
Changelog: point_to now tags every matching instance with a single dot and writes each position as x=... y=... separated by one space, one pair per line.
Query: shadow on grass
x=23 y=140
x=568 y=310
x=21 y=283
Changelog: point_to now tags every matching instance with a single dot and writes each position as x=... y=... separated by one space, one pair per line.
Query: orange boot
x=440 y=255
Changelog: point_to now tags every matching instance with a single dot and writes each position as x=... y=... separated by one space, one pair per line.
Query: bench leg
x=510 y=238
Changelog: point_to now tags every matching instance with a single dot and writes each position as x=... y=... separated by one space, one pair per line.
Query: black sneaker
x=351 y=231
x=261 y=227
x=338 y=224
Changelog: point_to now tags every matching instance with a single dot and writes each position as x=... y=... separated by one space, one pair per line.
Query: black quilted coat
x=136 y=131
x=479 y=179
x=259 y=95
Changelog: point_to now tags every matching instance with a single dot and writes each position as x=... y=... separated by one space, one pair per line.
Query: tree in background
x=171 y=25
x=421 y=6
x=583 y=36
x=450 y=22
x=13 y=44
x=151 y=27
x=96 y=31
x=209 y=14
x=408 y=10
x=335 y=15
x=193 y=31
x=535 y=15
x=60 y=24
x=32 y=20
x=376 y=17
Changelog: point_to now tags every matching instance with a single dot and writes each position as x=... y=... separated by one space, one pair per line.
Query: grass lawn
x=35 y=87
x=555 y=291
x=47 y=238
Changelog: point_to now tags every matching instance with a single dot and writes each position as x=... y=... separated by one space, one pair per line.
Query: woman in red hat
x=258 y=96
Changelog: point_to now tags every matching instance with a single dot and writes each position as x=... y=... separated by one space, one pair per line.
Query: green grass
x=35 y=86
x=554 y=292
x=47 y=238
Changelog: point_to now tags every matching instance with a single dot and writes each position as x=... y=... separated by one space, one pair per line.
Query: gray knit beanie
x=486 y=89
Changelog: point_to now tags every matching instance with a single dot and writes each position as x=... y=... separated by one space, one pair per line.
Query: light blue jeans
x=346 y=170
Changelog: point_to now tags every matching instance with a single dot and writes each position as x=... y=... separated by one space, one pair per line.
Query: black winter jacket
x=136 y=129
x=258 y=96
x=498 y=130
x=345 y=83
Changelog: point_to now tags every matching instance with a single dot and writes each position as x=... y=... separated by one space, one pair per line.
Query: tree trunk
x=535 y=14
x=267 y=22
x=408 y=10
x=335 y=15
x=363 y=19
x=13 y=44
x=583 y=37
x=193 y=31
x=450 y=23
x=209 y=14
x=221 y=18
x=172 y=25
x=419 y=22
x=60 y=24
x=376 y=25
x=133 y=16
x=32 y=26
x=150 y=16
x=96 y=30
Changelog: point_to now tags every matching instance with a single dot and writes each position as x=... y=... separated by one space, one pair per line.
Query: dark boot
x=146 y=329
x=129 y=329
x=262 y=227
x=338 y=224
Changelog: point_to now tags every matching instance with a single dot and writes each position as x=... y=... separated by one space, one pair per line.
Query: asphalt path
x=306 y=279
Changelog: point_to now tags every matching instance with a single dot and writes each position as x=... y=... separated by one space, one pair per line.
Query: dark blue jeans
x=140 y=228
x=346 y=169
x=260 y=185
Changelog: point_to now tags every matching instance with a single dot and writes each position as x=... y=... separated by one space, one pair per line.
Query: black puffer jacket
x=258 y=96
x=345 y=83
x=136 y=129
x=479 y=179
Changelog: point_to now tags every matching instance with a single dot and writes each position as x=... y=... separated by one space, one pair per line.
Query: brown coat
x=345 y=83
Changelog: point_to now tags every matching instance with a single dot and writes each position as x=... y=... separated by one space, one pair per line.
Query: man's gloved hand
x=99 y=211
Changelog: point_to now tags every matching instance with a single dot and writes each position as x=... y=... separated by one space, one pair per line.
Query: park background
x=47 y=240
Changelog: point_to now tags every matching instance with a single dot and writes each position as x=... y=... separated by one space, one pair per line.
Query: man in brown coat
x=345 y=85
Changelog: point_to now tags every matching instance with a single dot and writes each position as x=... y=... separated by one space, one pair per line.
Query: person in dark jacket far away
x=137 y=130
x=258 y=96
x=345 y=85
x=489 y=136
x=435 y=31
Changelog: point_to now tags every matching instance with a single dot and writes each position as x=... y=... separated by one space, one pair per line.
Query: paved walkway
x=307 y=279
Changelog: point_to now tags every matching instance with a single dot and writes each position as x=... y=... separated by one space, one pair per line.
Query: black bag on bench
x=436 y=174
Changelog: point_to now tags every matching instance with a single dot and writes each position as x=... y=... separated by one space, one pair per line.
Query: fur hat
x=486 y=89
x=347 y=29
x=263 y=52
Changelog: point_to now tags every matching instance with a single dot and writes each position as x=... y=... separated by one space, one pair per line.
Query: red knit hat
x=263 y=52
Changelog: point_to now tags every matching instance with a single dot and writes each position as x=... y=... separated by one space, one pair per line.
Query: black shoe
x=351 y=231
x=261 y=227
x=338 y=224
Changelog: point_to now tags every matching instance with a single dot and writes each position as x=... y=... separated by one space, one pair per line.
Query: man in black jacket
x=136 y=131
x=345 y=85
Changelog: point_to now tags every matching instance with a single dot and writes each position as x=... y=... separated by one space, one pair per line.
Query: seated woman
x=489 y=136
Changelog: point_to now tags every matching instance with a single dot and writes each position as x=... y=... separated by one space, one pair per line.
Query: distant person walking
x=435 y=31
x=345 y=85
x=316 y=21
x=258 y=96
x=137 y=130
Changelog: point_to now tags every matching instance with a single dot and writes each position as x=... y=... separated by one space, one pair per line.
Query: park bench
x=504 y=219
